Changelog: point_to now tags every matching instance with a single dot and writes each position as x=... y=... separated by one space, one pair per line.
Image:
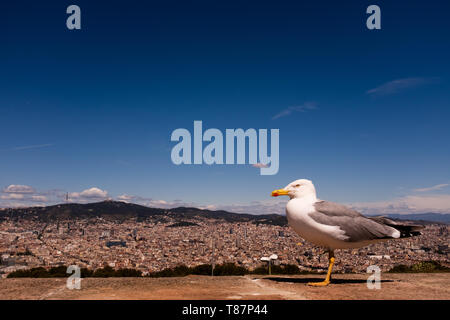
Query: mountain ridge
x=122 y=210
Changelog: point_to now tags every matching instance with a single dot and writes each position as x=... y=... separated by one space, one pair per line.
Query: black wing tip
x=409 y=233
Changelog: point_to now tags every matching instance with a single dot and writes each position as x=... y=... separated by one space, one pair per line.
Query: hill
x=118 y=210
x=422 y=217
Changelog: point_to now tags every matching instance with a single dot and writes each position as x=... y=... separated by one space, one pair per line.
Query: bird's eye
x=297 y=185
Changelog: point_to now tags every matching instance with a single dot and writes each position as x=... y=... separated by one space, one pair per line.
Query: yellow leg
x=327 y=279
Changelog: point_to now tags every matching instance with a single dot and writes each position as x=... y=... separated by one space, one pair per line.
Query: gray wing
x=335 y=209
x=356 y=226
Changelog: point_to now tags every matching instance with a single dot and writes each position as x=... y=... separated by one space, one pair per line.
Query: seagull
x=335 y=226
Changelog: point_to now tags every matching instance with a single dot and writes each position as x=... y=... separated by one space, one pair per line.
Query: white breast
x=297 y=212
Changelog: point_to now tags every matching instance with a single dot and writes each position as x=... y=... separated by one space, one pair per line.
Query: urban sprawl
x=153 y=245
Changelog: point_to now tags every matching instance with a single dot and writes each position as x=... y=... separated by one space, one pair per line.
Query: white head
x=301 y=188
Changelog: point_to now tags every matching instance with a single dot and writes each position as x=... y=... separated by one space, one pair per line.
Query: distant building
x=106 y=233
x=379 y=257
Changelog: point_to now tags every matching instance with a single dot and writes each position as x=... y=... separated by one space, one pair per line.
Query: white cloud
x=156 y=202
x=18 y=188
x=438 y=203
x=211 y=207
x=398 y=85
x=433 y=188
x=302 y=108
x=92 y=193
x=125 y=197
x=35 y=146
x=12 y=196
x=39 y=198
x=28 y=197
x=26 y=194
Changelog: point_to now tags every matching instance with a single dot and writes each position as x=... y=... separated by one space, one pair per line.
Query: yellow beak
x=279 y=192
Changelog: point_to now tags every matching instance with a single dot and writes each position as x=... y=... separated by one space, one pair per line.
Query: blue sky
x=95 y=108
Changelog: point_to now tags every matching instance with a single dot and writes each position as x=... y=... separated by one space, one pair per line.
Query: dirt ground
x=349 y=286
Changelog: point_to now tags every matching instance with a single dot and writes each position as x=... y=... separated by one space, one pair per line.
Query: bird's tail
x=406 y=230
